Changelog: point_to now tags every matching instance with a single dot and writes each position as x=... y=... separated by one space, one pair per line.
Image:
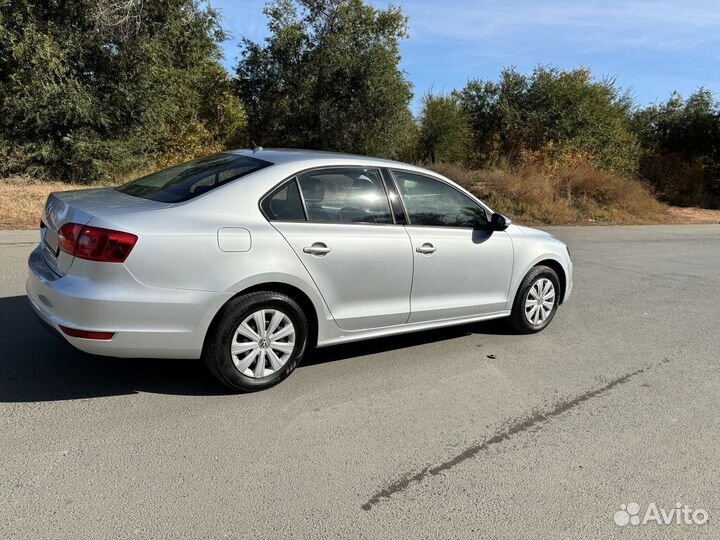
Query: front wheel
x=257 y=341
x=536 y=301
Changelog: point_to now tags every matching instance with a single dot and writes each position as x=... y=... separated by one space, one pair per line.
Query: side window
x=434 y=203
x=345 y=195
x=284 y=204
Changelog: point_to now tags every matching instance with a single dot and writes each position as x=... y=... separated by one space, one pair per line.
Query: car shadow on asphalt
x=36 y=365
x=401 y=341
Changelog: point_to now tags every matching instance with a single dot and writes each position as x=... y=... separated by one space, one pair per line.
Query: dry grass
x=569 y=195
x=22 y=200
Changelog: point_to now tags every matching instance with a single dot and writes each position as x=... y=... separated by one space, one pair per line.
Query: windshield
x=188 y=180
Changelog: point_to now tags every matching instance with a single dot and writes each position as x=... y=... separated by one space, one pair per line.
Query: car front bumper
x=569 y=281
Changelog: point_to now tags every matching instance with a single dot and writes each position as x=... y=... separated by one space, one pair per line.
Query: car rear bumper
x=146 y=322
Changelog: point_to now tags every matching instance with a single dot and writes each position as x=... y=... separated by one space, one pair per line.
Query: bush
x=553 y=112
x=567 y=195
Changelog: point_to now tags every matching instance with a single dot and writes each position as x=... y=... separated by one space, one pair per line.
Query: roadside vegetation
x=94 y=92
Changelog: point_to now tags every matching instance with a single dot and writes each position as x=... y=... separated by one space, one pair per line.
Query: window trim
x=488 y=211
x=302 y=198
x=296 y=176
x=276 y=190
x=398 y=210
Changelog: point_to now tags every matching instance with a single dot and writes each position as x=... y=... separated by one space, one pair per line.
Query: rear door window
x=188 y=180
x=345 y=195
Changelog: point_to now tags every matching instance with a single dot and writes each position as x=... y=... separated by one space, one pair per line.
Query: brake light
x=87 y=334
x=95 y=243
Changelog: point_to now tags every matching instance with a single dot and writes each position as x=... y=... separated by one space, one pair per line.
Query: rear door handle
x=318 y=248
x=426 y=249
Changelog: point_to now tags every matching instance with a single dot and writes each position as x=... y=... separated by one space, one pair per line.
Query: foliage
x=444 y=130
x=568 y=194
x=93 y=88
x=327 y=77
x=555 y=112
x=681 y=141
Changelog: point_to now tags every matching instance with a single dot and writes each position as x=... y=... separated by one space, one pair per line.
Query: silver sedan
x=249 y=258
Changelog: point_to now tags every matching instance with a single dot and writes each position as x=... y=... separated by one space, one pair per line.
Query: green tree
x=688 y=127
x=551 y=111
x=94 y=88
x=681 y=148
x=444 y=130
x=327 y=77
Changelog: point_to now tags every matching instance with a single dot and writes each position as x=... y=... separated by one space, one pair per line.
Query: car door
x=338 y=222
x=461 y=267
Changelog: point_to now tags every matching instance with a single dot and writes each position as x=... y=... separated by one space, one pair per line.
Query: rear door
x=461 y=267
x=338 y=222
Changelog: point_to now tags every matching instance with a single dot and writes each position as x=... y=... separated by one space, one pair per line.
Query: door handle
x=426 y=249
x=318 y=248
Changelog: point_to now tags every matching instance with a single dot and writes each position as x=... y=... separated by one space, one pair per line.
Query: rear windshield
x=186 y=181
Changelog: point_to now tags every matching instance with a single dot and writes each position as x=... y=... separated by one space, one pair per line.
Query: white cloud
x=661 y=25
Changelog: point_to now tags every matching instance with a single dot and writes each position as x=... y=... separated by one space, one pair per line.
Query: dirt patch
x=693 y=215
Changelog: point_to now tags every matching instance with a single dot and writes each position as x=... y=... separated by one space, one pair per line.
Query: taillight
x=94 y=243
x=67 y=237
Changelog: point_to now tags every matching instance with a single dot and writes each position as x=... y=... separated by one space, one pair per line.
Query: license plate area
x=50 y=241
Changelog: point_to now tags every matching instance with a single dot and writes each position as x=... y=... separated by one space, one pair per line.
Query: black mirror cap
x=498 y=222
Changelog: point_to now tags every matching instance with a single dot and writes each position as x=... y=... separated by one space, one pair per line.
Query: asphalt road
x=468 y=432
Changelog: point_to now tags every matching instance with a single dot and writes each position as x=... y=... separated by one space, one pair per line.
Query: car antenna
x=256 y=147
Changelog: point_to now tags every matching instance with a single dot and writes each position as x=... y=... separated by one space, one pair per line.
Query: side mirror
x=498 y=222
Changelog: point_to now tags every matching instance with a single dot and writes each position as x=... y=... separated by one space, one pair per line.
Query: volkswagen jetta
x=249 y=258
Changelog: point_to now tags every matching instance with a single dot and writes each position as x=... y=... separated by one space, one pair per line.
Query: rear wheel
x=257 y=341
x=536 y=301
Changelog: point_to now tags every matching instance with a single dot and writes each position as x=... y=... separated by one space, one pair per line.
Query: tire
x=238 y=325
x=536 y=279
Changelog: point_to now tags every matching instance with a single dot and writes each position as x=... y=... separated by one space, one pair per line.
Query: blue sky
x=651 y=47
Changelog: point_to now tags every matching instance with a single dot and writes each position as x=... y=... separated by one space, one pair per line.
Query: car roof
x=296 y=155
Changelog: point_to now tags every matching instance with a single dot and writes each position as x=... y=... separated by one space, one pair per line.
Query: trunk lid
x=80 y=207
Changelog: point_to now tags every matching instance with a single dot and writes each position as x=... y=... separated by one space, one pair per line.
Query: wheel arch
x=545 y=259
x=296 y=294
x=287 y=289
x=559 y=270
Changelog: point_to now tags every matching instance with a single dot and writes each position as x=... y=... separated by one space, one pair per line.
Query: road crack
x=537 y=420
